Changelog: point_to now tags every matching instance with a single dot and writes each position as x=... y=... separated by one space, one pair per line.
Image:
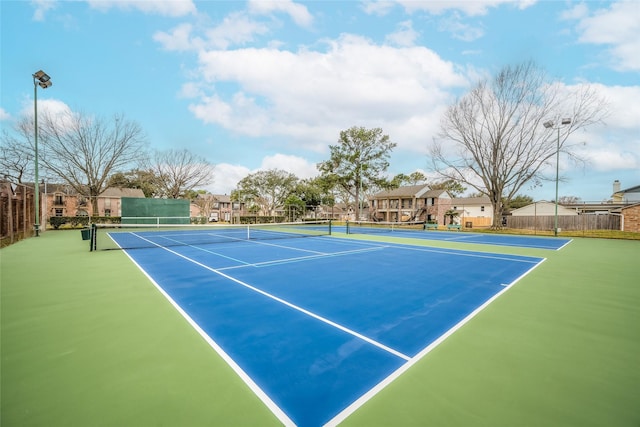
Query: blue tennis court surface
x=536 y=242
x=317 y=325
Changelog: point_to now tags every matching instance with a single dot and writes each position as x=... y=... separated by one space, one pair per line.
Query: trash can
x=468 y=224
x=86 y=233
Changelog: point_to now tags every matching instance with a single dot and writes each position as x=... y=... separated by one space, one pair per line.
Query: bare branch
x=493 y=139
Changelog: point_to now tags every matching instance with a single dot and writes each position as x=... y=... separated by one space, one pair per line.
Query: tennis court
x=316 y=326
x=88 y=340
x=417 y=232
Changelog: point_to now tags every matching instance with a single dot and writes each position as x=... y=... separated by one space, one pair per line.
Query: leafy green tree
x=294 y=207
x=145 y=180
x=517 y=202
x=451 y=214
x=358 y=162
x=313 y=192
x=265 y=189
x=454 y=188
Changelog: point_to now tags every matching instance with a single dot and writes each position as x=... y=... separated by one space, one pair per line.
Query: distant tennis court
x=316 y=326
x=417 y=232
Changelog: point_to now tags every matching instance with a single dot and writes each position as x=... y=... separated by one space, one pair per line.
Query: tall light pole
x=551 y=125
x=42 y=79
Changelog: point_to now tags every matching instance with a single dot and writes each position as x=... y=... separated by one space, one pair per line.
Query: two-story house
x=410 y=203
x=63 y=200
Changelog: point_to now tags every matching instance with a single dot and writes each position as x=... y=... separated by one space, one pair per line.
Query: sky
x=258 y=85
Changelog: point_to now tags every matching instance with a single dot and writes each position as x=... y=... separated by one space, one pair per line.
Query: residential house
x=629 y=195
x=631 y=218
x=410 y=203
x=473 y=211
x=110 y=200
x=542 y=216
x=216 y=207
x=543 y=208
x=337 y=212
x=64 y=200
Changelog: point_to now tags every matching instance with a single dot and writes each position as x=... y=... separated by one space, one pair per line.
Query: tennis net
x=372 y=227
x=134 y=236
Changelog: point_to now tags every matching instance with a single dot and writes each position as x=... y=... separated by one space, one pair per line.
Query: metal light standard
x=42 y=79
x=551 y=125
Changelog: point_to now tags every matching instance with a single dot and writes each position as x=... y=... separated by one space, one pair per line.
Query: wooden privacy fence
x=566 y=223
x=475 y=221
x=16 y=216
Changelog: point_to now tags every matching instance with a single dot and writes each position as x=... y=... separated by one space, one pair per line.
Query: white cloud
x=309 y=96
x=459 y=29
x=236 y=29
x=404 y=36
x=41 y=8
x=378 y=7
x=227 y=177
x=52 y=107
x=470 y=8
x=179 y=39
x=298 y=13
x=617 y=27
x=173 y=8
x=298 y=166
x=4 y=115
x=616 y=144
x=610 y=159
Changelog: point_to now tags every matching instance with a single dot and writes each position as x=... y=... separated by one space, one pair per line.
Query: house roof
x=224 y=198
x=630 y=206
x=471 y=201
x=544 y=203
x=122 y=192
x=635 y=189
x=409 y=191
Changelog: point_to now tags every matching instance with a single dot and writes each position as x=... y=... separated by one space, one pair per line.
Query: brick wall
x=632 y=218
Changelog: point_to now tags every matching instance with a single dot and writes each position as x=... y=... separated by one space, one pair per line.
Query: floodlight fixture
x=42 y=76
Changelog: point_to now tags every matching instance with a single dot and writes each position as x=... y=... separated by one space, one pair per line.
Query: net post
x=330 y=227
x=347 y=227
x=92 y=239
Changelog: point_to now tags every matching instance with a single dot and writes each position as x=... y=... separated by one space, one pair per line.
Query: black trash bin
x=86 y=233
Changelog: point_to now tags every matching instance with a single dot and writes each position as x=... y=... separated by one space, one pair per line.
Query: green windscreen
x=154 y=211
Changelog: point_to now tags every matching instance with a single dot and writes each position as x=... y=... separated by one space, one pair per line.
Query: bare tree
x=180 y=171
x=493 y=139
x=85 y=150
x=16 y=159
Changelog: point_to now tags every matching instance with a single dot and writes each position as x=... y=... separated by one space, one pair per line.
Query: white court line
x=385 y=382
x=273 y=407
x=300 y=259
x=457 y=252
x=570 y=240
x=288 y=304
x=531 y=260
x=317 y=254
